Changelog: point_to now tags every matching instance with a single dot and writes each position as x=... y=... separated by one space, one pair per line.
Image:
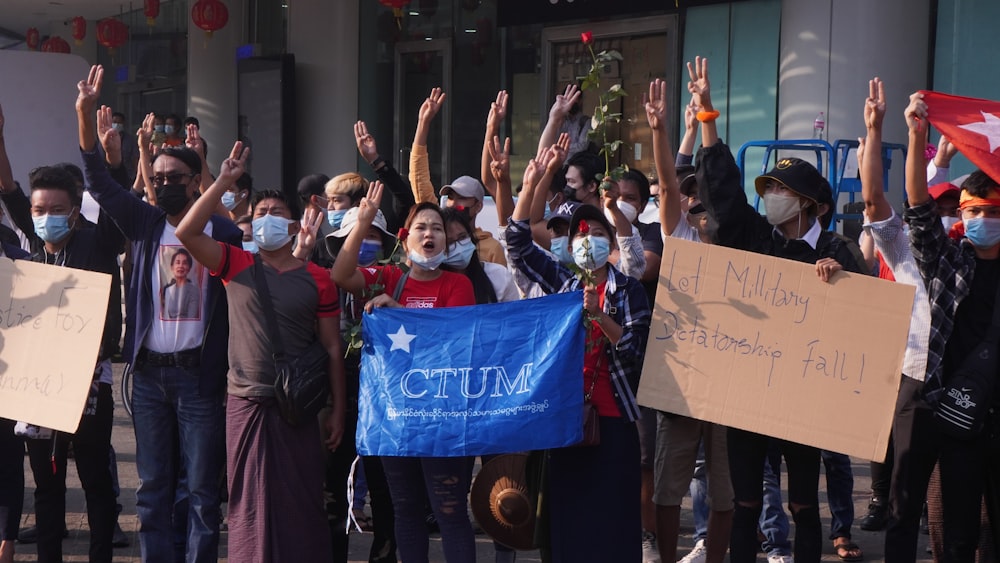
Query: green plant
x=603 y=115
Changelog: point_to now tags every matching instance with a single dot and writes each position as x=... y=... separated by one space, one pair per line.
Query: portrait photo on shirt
x=180 y=284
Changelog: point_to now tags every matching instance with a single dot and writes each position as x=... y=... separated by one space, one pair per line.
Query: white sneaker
x=697 y=554
x=650 y=551
x=780 y=559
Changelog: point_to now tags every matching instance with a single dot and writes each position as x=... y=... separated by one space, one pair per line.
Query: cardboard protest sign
x=461 y=381
x=761 y=343
x=51 y=324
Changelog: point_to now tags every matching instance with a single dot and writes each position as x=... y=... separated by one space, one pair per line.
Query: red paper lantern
x=397 y=9
x=111 y=33
x=79 y=29
x=210 y=15
x=151 y=9
x=31 y=38
x=55 y=44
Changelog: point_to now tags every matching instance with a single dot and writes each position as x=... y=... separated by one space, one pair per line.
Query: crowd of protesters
x=213 y=264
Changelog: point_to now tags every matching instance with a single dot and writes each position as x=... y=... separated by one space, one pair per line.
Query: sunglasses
x=175 y=178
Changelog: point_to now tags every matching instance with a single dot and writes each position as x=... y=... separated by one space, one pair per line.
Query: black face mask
x=570 y=194
x=172 y=198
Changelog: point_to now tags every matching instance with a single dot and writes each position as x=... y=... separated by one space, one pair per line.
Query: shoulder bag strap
x=277 y=350
x=396 y=293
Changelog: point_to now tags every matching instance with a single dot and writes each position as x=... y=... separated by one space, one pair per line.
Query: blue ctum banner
x=465 y=381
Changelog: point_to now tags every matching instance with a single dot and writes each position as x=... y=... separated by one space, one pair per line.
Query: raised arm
x=144 y=136
x=345 y=269
x=134 y=217
x=194 y=142
x=557 y=115
x=110 y=140
x=308 y=236
x=499 y=170
x=6 y=172
x=191 y=229
x=876 y=205
x=522 y=210
x=398 y=206
x=549 y=163
x=498 y=111
x=420 y=176
x=686 y=148
x=86 y=106
x=916 y=165
x=701 y=95
x=18 y=206
x=670 y=192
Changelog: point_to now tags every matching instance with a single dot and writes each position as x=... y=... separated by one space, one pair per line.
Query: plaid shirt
x=624 y=301
x=947 y=268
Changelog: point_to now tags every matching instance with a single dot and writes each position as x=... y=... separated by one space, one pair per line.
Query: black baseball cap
x=800 y=177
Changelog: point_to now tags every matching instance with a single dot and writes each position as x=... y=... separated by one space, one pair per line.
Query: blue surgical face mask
x=158 y=128
x=271 y=232
x=982 y=232
x=168 y=129
x=431 y=263
x=591 y=252
x=560 y=248
x=335 y=216
x=119 y=127
x=229 y=200
x=369 y=252
x=51 y=228
x=250 y=246
x=459 y=253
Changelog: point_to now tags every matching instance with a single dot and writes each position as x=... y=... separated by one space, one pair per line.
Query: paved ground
x=75 y=547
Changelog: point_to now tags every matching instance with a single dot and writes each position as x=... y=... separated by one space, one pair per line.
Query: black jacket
x=741 y=227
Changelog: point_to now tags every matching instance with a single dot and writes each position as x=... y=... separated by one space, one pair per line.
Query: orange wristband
x=704 y=116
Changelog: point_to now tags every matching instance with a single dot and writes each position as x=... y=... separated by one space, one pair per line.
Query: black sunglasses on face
x=176 y=178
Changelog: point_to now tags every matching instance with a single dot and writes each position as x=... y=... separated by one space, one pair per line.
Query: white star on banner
x=401 y=340
x=990 y=128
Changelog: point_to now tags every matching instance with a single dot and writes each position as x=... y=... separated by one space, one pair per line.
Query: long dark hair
x=482 y=287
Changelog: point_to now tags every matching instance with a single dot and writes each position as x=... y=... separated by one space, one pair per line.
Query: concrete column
x=212 y=80
x=831 y=48
x=323 y=36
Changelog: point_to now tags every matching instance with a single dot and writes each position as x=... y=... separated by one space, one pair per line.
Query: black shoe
x=120 y=538
x=877 y=517
x=30 y=535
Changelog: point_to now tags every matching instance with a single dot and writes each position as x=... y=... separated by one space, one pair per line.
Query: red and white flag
x=971 y=124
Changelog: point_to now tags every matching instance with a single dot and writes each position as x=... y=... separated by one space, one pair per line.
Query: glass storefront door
x=420 y=66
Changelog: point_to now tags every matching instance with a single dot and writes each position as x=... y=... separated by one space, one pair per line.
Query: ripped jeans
x=443 y=480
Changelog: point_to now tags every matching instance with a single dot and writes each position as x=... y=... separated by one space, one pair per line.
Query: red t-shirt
x=448 y=290
x=883 y=270
x=596 y=357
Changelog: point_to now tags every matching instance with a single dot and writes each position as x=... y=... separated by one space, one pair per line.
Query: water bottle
x=818 y=125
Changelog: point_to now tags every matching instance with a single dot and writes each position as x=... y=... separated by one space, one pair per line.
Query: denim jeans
x=773 y=520
x=169 y=409
x=699 y=496
x=839 y=493
x=445 y=480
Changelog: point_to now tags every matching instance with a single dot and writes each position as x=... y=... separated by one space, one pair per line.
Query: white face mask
x=781 y=208
x=948 y=222
x=627 y=209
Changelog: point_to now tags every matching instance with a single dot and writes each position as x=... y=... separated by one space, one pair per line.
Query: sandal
x=848 y=550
